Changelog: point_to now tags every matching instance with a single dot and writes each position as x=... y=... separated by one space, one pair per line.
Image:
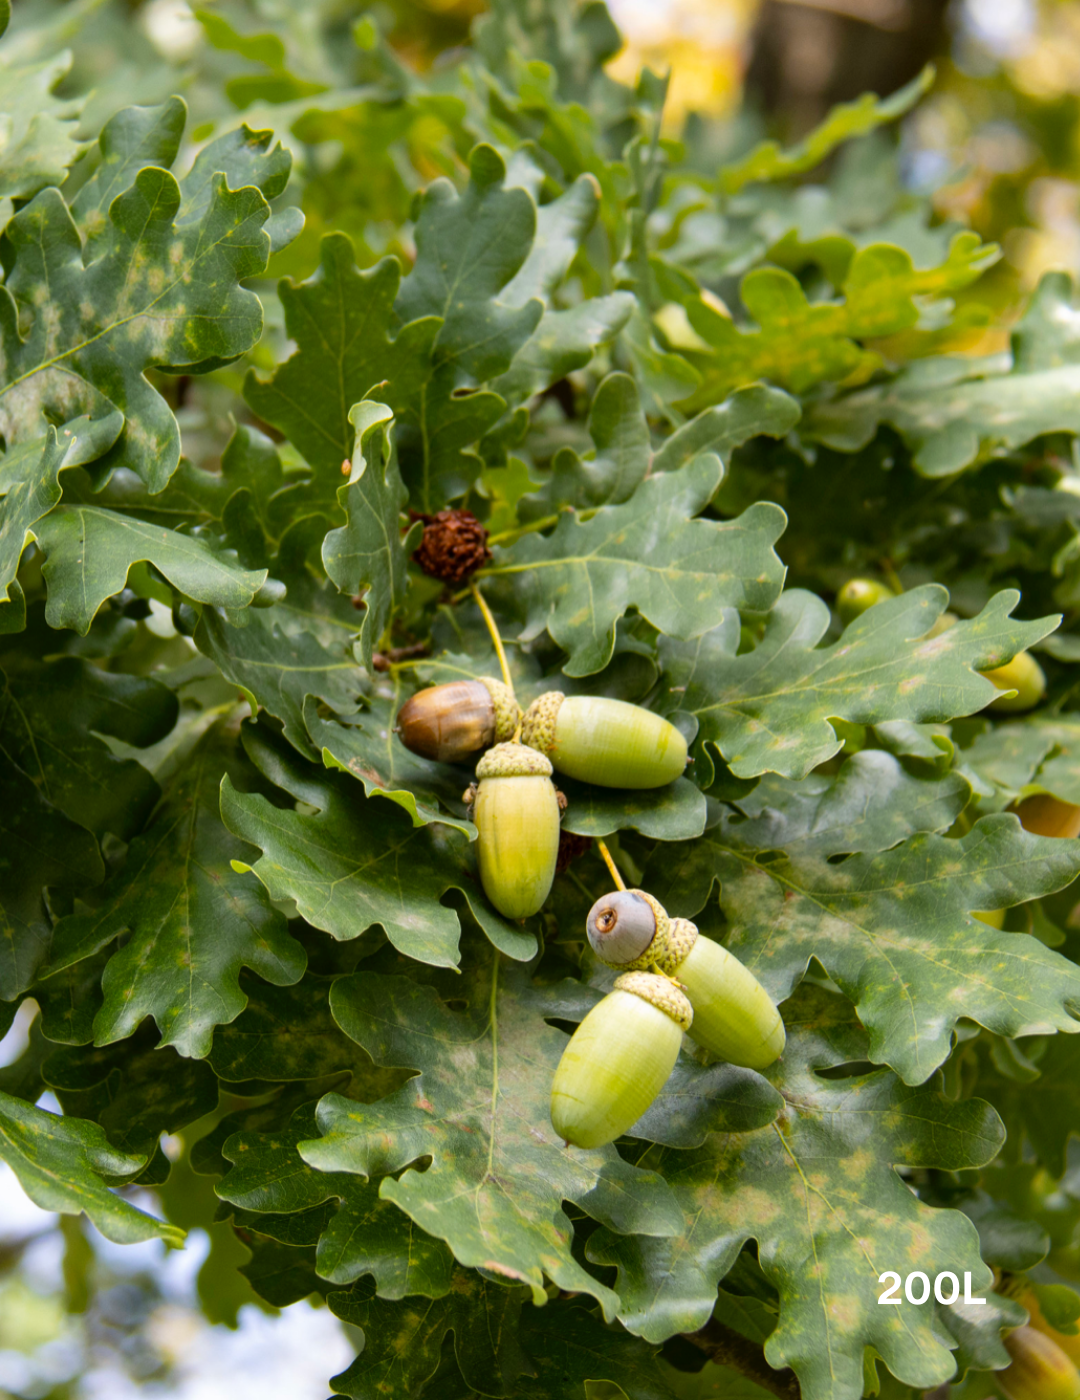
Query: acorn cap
x=513 y=761
x=507 y=710
x=658 y=992
x=538 y=725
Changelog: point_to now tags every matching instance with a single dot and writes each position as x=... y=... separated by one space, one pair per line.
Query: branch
x=726 y=1347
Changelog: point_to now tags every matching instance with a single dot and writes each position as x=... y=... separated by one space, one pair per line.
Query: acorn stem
x=612 y=867
x=492 y=627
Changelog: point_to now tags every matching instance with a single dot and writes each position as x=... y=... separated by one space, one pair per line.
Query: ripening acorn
x=994 y=917
x=517 y=812
x=734 y=1016
x=451 y=722
x=607 y=742
x=1044 y=815
x=1022 y=674
x=618 y=1059
x=1070 y=1345
x=858 y=594
x=1040 y=1370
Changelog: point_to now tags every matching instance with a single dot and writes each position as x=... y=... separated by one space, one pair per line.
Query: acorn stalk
x=607 y=742
x=619 y=1059
x=517 y=812
x=734 y=1017
x=451 y=722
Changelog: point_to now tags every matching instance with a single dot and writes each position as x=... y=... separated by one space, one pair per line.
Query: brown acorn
x=453 y=547
x=451 y=722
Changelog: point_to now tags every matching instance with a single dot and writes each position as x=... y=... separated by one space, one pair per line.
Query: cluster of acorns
x=673 y=981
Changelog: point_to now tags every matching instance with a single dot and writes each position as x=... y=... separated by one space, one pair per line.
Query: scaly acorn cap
x=507 y=710
x=658 y=992
x=510 y=760
x=538 y=725
x=670 y=943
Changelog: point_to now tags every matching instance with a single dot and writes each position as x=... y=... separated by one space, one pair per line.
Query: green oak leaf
x=133 y=1091
x=954 y=411
x=39 y=127
x=615 y=468
x=755 y=410
x=90 y=551
x=1040 y=754
x=161 y=288
x=192 y=921
x=479 y=1109
x=403 y=1340
x=675 y=812
x=278 y=658
x=354 y=863
x=680 y=573
x=340 y=320
x=564 y=341
x=767 y=161
x=368 y=555
x=893 y=929
x=50 y=716
x=872 y=804
x=29 y=480
x=39 y=849
x=469 y=247
x=819 y=1192
x=799 y=343
x=67 y=1165
x=366 y=747
x=768 y=710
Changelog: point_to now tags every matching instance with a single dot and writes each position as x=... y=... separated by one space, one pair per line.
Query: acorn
x=517 y=811
x=858 y=594
x=619 y=1059
x=453 y=721
x=734 y=1017
x=1070 y=1345
x=607 y=742
x=1040 y=1370
x=994 y=917
x=1044 y=815
x=1022 y=674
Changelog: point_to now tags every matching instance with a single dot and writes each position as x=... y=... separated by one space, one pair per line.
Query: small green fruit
x=857 y=595
x=451 y=722
x=607 y=742
x=994 y=917
x=734 y=1017
x=1040 y=1370
x=517 y=813
x=618 y=1059
x=1022 y=674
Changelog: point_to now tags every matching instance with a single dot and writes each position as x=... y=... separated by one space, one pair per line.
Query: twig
x=493 y=628
x=393 y=656
x=606 y=854
x=726 y=1347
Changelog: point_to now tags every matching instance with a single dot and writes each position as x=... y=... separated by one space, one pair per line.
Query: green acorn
x=1022 y=674
x=1040 y=1370
x=607 y=742
x=734 y=1017
x=618 y=1059
x=453 y=721
x=517 y=812
x=857 y=595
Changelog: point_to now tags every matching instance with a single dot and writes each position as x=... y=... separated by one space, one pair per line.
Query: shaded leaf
x=192 y=921
x=39 y=128
x=675 y=812
x=757 y=409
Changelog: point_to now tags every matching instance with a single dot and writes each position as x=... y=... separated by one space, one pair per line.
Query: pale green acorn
x=607 y=742
x=859 y=594
x=517 y=812
x=734 y=1017
x=618 y=1059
